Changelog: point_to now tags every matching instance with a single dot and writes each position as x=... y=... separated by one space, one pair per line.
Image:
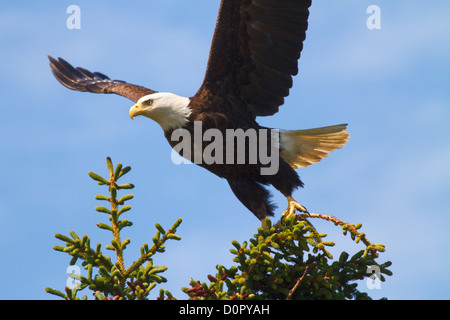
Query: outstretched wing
x=255 y=52
x=81 y=79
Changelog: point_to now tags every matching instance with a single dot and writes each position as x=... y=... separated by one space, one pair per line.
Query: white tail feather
x=301 y=148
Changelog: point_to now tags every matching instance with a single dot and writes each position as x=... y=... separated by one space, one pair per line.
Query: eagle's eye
x=149 y=102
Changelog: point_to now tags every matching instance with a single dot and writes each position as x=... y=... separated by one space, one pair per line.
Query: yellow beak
x=134 y=111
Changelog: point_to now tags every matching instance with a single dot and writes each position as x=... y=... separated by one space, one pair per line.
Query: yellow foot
x=293 y=206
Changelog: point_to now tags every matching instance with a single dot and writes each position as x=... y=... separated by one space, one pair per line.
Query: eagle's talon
x=294 y=206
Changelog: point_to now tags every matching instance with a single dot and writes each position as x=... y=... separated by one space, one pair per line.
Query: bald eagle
x=253 y=57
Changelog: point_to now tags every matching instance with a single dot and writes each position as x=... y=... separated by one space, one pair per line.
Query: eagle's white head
x=168 y=109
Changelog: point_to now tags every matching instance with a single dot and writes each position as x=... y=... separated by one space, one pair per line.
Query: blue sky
x=391 y=85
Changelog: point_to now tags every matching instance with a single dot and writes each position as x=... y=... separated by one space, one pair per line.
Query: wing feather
x=81 y=79
x=255 y=52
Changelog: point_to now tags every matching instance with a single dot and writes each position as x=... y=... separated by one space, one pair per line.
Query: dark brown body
x=245 y=180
